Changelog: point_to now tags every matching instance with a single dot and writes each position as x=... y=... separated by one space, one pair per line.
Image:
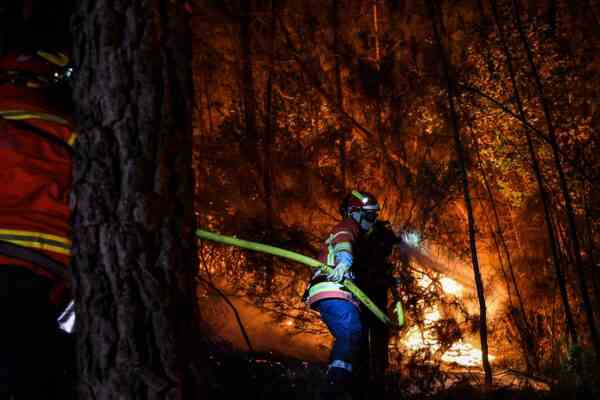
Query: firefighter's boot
x=337 y=385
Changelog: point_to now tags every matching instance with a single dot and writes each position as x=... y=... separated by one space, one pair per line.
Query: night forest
x=473 y=122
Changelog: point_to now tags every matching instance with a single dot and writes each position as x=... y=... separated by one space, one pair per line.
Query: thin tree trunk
x=267 y=150
x=591 y=248
x=552 y=16
x=207 y=96
x=339 y=94
x=134 y=250
x=570 y=324
x=236 y=313
x=391 y=169
x=516 y=234
x=573 y=236
x=451 y=88
x=250 y=140
x=269 y=128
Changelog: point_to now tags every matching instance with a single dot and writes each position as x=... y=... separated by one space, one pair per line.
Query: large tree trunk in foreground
x=134 y=247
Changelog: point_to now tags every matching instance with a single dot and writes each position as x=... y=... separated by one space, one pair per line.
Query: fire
x=450 y=286
x=461 y=352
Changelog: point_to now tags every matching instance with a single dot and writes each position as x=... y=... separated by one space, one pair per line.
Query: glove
x=344 y=262
x=338 y=272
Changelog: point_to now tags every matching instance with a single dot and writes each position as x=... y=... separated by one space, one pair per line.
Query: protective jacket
x=343 y=237
x=35 y=160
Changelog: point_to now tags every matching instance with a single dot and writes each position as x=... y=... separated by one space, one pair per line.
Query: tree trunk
x=250 y=140
x=269 y=125
x=460 y=151
x=339 y=94
x=134 y=248
x=591 y=249
x=573 y=236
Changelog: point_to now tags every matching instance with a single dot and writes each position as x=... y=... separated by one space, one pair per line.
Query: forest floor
x=269 y=376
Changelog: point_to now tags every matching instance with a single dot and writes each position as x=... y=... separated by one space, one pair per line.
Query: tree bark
x=460 y=151
x=134 y=249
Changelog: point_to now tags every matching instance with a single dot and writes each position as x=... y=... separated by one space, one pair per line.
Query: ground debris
x=266 y=376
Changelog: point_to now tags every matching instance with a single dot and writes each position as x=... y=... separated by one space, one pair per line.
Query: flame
x=461 y=352
x=450 y=286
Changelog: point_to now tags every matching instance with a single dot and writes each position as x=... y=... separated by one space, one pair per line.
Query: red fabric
x=28 y=62
x=347 y=225
x=35 y=174
x=332 y=294
x=30 y=99
x=346 y=231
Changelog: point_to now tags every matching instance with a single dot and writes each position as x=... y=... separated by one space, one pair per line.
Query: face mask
x=370 y=216
x=366 y=220
x=366 y=225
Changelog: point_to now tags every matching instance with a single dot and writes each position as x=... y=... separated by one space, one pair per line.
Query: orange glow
x=450 y=286
x=461 y=352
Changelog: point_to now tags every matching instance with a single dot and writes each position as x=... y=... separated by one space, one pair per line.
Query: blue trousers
x=343 y=321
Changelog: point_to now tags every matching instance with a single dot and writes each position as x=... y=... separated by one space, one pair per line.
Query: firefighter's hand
x=338 y=272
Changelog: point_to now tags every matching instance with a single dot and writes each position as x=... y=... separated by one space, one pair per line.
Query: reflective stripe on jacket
x=342 y=238
x=35 y=174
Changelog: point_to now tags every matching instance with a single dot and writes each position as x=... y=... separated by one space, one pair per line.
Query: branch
x=540 y=134
x=318 y=85
x=235 y=311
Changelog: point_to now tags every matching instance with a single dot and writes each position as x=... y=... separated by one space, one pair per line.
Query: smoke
x=266 y=334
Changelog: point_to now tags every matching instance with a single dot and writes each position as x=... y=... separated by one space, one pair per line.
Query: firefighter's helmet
x=359 y=201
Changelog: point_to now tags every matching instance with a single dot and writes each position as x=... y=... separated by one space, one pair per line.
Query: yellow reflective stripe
x=57 y=58
x=18 y=115
x=40 y=246
x=37 y=240
x=330 y=255
x=46 y=236
x=323 y=287
x=358 y=195
x=72 y=139
x=342 y=246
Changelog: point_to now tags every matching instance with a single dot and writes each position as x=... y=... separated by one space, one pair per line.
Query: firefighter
x=36 y=139
x=375 y=274
x=339 y=310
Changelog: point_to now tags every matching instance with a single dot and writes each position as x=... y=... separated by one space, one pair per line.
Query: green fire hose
x=311 y=262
